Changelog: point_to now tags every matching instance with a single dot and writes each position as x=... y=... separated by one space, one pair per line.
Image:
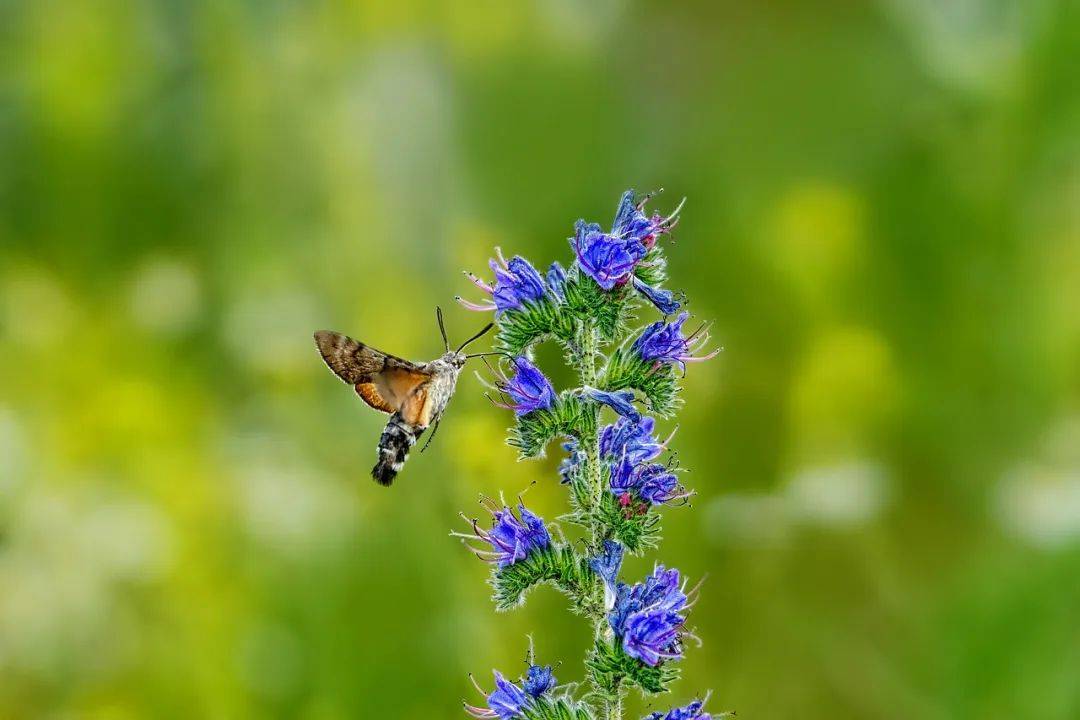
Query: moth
x=415 y=395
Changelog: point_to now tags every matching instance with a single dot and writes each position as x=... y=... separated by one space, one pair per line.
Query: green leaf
x=652 y=270
x=625 y=369
x=607 y=309
x=611 y=666
x=556 y=708
x=635 y=525
x=569 y=416
x=523 y=327
x=558 y=565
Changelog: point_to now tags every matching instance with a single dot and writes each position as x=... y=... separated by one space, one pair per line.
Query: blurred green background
x=883 y=222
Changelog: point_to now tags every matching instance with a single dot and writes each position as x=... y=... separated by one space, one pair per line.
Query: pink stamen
x=703 y=358
x=484 y=307
x=479 y=283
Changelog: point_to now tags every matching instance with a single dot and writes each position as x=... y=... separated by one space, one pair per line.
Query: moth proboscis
x=415 y=395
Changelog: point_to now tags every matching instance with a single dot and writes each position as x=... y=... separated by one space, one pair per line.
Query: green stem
x=590 y=444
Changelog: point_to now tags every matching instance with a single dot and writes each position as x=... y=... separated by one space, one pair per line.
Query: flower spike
x=616 y=466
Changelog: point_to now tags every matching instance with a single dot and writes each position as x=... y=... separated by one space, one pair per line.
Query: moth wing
x=382 y=380
x=369 y=394
x=398 y=386
x=352 y=361
x=418 y=408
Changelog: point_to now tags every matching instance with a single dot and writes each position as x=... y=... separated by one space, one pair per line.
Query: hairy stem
x=590 y=444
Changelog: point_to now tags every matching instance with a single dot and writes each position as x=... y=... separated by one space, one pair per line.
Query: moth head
x=457 y=358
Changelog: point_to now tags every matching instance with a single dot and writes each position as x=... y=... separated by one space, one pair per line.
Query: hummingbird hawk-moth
x=415 y=395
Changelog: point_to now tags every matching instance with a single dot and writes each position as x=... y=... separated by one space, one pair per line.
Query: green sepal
x=633 y=525
x=556 y=708
x=558 y=565
x=652 y=270
x=521 y=328
x=657 y=382
x=568 y=416
x=608 y=309
x=611 y=666
x=580 y=496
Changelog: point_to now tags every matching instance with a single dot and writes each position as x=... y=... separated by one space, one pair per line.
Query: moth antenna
x=442 y=328
x=494 y=352
x=476 y=337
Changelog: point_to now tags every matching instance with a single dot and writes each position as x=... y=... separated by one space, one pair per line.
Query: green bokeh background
x=883 y=223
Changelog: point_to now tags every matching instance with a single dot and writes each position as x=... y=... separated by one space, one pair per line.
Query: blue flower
x=631 y=222
x=538 y=680
x=631 y=439
x=651 y=483
x=664 y=300
x=556 y=280
x=657 y=485
x=572 y=462
x=652 y=636
x=517 y=283
x=646 y=616
x=663 y=589
x=623 y=477
x=610 y=258
x=606 y=259
x=693 y=711
x=663 y=342
x=506 y=701
x=528 y=389
x=607 y=565
x=621 y=401
x=512 y=538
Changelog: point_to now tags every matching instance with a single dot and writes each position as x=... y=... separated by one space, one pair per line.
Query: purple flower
x=606 y=259
x=556 y=280
x=506 y=701
x=646 y=616
x=663 y=342
x=538 y=680
x=664 y=300
x=517 y=283
x=610 y=258
x=633 y=440
x=649 y=482
x=572 y=462
x=621 y=401
x=607 y=565
x=657 y=485
x=528 y=389
x=693 y=711
x=632 y=222
x=663 y=590
x=512 y=538
x=652 y=636
x=623 y=479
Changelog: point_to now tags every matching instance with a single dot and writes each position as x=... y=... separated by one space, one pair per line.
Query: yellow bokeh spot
x=845 y=386
x=816 y=237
